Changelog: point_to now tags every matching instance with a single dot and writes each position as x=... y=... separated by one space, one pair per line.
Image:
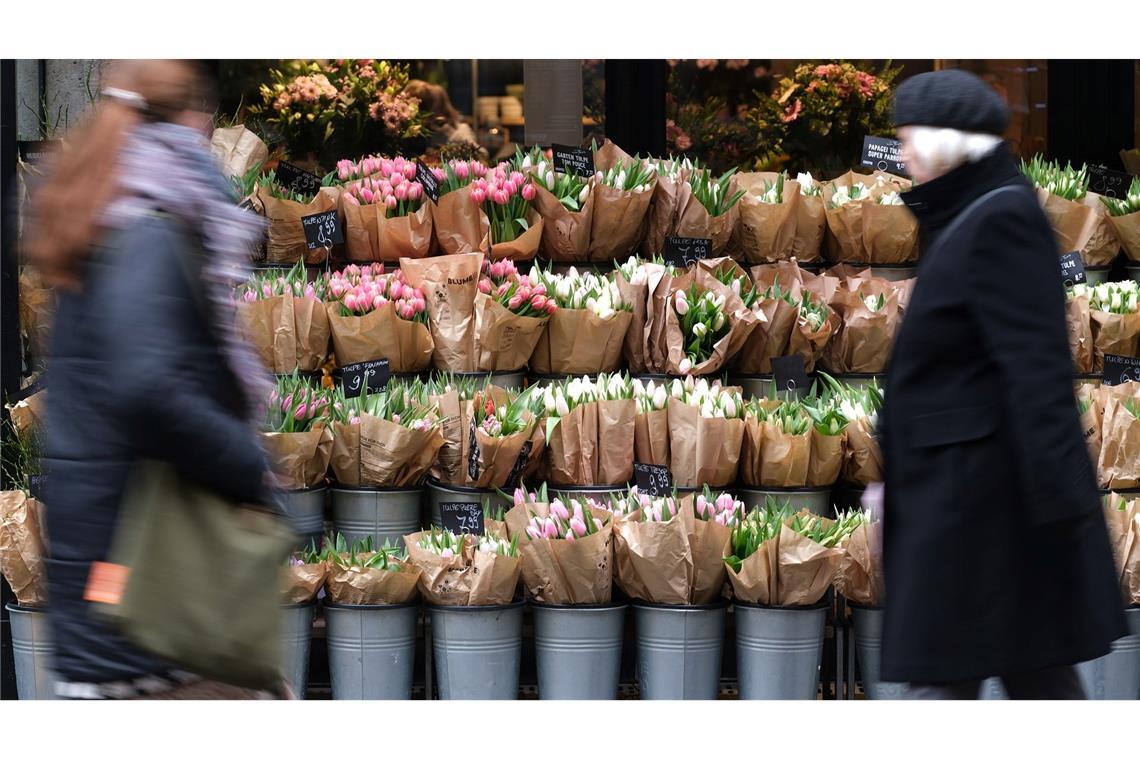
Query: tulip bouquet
x=503 y=439
x=453 y=397
x=460 y=225
x=672 y=176
x=863 y=460
x=624 y=186
x=281 y=314
x=706 y=321
x=510 y=321
x=385 y=215
x=22 y=547
x=297 y=438
x=1114 y=314
x=707 y=207
x=375 y=314
x=1123 y=520
x=792 y=443
x=870 y=312
x=1124 y=218
x=891 y=198
x=1068 y=183
x=590 y=428
x=587 y=332
x=645 y=286
x=860 y=576
x=703 y=323
x=867 y=222
x=366 y=575
x=651 y=425
x=465 y=570
x=304 y=575
x=1129 y=204
x=350 y=171
x=1079 y=220
x=846 y=194
x=1118 y=466
x=286 y=243
x=505 y=197
x=706 y=430
x=722 y=508
x=808 y=185
x=1078 y=319
x=566 y=204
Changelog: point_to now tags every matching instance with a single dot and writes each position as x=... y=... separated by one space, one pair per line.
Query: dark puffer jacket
x=135 y=370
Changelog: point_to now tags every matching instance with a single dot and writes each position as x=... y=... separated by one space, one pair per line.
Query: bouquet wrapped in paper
x=862 y=459
x=669 y=550
x=362 y=574
x=867 y=222
x=377 y=315
x=706 y=321
x=586 y=334
x=793 y=317
x=1123 y=520
x=460 y=226
x=452 y=396
x=1118 y=466
x=792 y=443
x=1124 y=217
x=860 y=577
x=465 y=570
x=645 y=286
x=1078 y=321
x=622 y=194
x=284 y=317
x=1088 y=404
x=1114 y=314
x=665 y=207
x=590 y=430
x=511 y=314
x=286 y=243
x=37 y=310
x=870 y=315
x=504 y=440
x=768 y=212
x=304 y=575
x=22 y=545
x=706 y=431
x=708 y=208
x=1079 y=219
x=239 y=150
x=297 y=438
x=651 y=424
x=566 y=205
x=388 y=439
x=386 y=216
x=450 y=285
x=781 y=559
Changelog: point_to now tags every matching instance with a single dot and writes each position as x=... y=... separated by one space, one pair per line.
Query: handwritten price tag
x=1072 y=269
x=1109 y=183
x=1120 y=369
x=653 y=479
x=426 y=178
x=461 y=517
x=354 y=378
x=293 y=177
x=685 y=252
x=883 y=153
x=323 y=230
x=571 y=160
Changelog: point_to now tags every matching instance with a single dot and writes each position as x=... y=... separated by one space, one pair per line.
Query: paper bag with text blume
x=449 y=284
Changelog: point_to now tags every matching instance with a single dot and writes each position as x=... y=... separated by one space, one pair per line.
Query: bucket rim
x=785 y=490
x=333 y=486
x=584 y=607
x=14 y=607
x=589 y=489
x=434 y=485
x=823 y=604
x=475 y=607
x=298 y=605
x=310 y=489
x=717 y=605
x=340 y=606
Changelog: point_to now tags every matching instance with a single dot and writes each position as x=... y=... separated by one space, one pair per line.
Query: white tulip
x=677 y=390
x=700 y=329
x=718 y=323
x=526 y=162
x=659 y=398
x=583 y=195
x=562 y=407
x=729 y=406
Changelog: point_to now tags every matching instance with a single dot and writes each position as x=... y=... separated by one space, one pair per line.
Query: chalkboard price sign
x=1120 y=369
x=323 y=230
x=426 y=178
x=1072 y=269
x=883 y=153
x=685 y=252
x=354 y=378
x=1109 y=183
x=653 y=479
x=461 y=517
x=293 y=177
x=789 y=373
x=571 y=160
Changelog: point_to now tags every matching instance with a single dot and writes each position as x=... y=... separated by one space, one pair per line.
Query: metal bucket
x=597 y=493
x=32 y=651
x=817 y=500
x=1117 y=674
x=761 y=386
x=439 y=493
x=477 y=650
x=306 y=512
x=1133 y=271
x=869 y=646
x=578 y=650
x=372 y=650
x=894 y=273
x=1097 y=275
x=385 y=514
x=779 y=650
x=296 y=640
x=679 y=650
x=860 y=380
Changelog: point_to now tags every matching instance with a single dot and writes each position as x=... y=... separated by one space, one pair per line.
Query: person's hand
x=873 y=500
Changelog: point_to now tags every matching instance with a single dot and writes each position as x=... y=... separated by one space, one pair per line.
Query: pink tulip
x=558 y=509
x=366 y=195
x=310 y=291
x=539 y=289
x=492 y=188
x=421 y=304
x=549 y=529
x=302 y=410
x=351 y=200
x=249 y=296
x=401 y=192
x=597 y=524
x=390 y=201
x=578 y=526
x=724 y=503
x=528 y=192
x=515 y=302
x=478 y=169
x=538 y=302
x=438 y=173
x=518 y=178
x=461 y=170
x=415 y=191
x=510 y=187
x=485 y=286
x=534 y=533
x=409 y=170
x=478 y=196
x=377 y=302
x=350 y=302
x=701 y=505
x=447 y=553
x=551 y=307
x=502 y=290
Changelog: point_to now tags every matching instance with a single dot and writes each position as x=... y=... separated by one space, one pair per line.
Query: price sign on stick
x=323 y=230
x=685 y=252
x=789 y=373
x=426 y=178
x=1109 y=183
x=1120 y=369
x=883 y=153
x=653 y=479
x=571 y=160
x=293 y=177
x=1072 y=269
x=461 y=517
x=354 y=378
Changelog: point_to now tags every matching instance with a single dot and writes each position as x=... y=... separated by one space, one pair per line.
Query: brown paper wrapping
x=610 y=155
x=826 y=459
x=1119 y=463
x=810 y=344
x=1081 y=226
x=300 y=583
x=37 y=310
x=741 y=320
x=565 y=233
x=618 y=223
x=373 y=586
x=1130 y=572
x=525 y=246
x=504 y=339
x=616 y=433
x=651 y=437
x=28 y=415
x=860 y=575
x=707 y=544
x=1117 y=334
x=1122 y=519
x=764 y=232
x=577 y=342
x=771 y=337
x=497 y=457
x=557 y=571
x=381 y=453
x=449 y=284
x=693 y=220
x=1078 y=319
x=771 y=458
x=572 y=448
x=299 y=460
x=1127 y=229
x=657 y=307
x=1103 y=244
x=238 y=149
x=785 y=571
x=370 y=236
x=288 y=333
x=286 y=242
x=460 y=226
x=864 y=340
x=22 y=548
x=811 y=224
x=633 y=342
x=449 y=462
x=863 y=461
x=662 y=216
x=866 y=232
x=380 y=334
x=702 y=451
x=675 y=562
x=471 y=578
x=1091 y=419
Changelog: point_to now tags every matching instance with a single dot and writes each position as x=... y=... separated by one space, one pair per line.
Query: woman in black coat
x=996 y=554
x=136 y=227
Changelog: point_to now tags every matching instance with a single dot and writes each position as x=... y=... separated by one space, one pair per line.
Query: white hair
x=939 y=150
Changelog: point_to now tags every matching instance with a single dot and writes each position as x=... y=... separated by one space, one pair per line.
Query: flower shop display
x=708 y=208
x=870 y=312
x=645 y=286
x=769 y=213
x=866 y=221
x=589 y=429
x=386 y=215
x=1118 y=464
x=706 y=432
x=1079 y=219
x=239 y=150
x=586 y=334
x=504 y=438
x=623 y=187
x=664 y=208
x=1124 y=217
x=863 y=459
x=460 y=225
x=1114 y=314
x=651 y=425
x=302 y=579
x=505 y=196
x=283 y=316
x=566 y=204
x=285 y=237
x=706 y=323
x=373 y=314
x=792 y=443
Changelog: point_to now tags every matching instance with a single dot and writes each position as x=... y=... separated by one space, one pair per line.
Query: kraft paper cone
x=702 y=451
x=811 y=224
x=373 y=586
x=471 y=578
x=525 y=246
x=1121 y=518
x=238 y=149
x=27 y=415
x=449 y=284
x=1078 y=320
x=693 y=220
x=37 y=310
x=577 y=342
x=1091 y=419
x=863 y=462
x=345 y=458
x=496 y=458
x=380 y=334
x=1103 y=245
x=866 y=232
x=707 y=544
x=286 y=242
x=653 y=561
x=651 y=437
x=662 y=216
x=810 y=344
x=1130 y=573
x=558 y=571
x=752 y=451
x=805 y=569
x=300 y=583
x=370 y=236
x=1117 y=334
x=299 y=459
x=619 y=220
x=633 y=344
x=394 y=456
x=1081 y=226
x=1127 y=229
x=865 y=338
x=572 y=447
x=505 y=340
x=565 y=233
x=449 y=464
x=765 y=232
x=1119 y=463
x=657 y=308
x=860 y=574
x=22 y=548
x=610 y=155
x=890 y=234
x=460 y=226
x=741 y=320
x=616 y=433
x=784 y=457
x=826 y=459
x=288 y=333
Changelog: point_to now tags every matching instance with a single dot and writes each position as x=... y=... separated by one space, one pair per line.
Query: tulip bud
x=685 y=366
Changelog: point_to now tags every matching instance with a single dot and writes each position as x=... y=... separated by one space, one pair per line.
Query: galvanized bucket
x=894 y=273
x=372 y=650
x=597 y=493
x=306 y=512
x=679 y=650
x=578 y=650
x=817 y=500
x=760 y=386
x=441 y=493
x=1133 y=271
x=511 y=381
x=779 y=650
x=296 y=640
x=32 y=651
x=1097 y=275
x=1117 y=674
x=869 y=646
x=859 y=380
x=477 y=650
x=385 y=514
